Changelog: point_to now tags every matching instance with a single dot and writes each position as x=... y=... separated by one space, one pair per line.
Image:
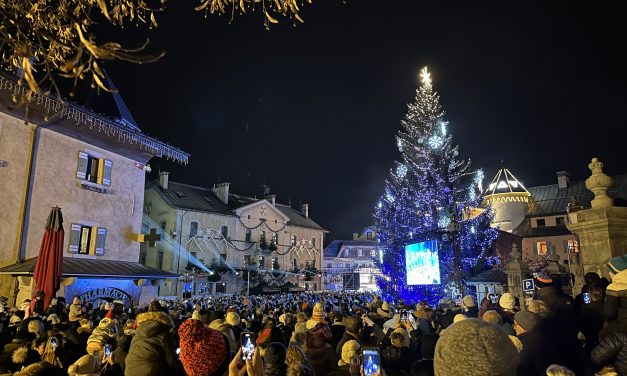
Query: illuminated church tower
x=509 y=199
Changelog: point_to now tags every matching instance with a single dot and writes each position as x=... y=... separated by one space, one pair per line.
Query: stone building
x=207 y=231
x=350 y=264
x=93 y=167
x=539 y=215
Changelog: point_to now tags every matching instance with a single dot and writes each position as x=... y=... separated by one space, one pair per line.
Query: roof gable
x=261 y=204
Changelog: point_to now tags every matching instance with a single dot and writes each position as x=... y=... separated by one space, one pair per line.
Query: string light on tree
x=434 y=190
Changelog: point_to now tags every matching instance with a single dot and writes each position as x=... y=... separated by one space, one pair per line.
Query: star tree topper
x=425 y=76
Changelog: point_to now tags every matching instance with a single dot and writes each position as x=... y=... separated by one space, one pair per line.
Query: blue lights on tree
x=431 y=194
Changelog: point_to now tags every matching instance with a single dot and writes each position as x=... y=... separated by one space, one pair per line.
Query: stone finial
x=515 y=254
x=599 y=183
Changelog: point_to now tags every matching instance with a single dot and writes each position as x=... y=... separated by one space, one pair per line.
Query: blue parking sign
x=528 y=285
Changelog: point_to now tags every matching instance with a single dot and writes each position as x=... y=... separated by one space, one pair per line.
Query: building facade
x=350 y=264
x=217 y=237
x=539 y=214
x=93 y=168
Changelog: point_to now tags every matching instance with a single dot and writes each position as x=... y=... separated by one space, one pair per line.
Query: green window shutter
x=566 y=246
x=81 y=167
x=535 y=248
x=106 y=179
x=100 y=241
x=75 y=237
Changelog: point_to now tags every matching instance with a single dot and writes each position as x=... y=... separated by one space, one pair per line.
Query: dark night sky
x=314 y=109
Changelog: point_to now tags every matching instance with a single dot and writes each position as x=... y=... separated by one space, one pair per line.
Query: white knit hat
x=507 y=301
x=349 y=350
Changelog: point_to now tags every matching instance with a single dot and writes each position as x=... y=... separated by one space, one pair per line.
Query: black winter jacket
x=152 y=350
x=612 y=351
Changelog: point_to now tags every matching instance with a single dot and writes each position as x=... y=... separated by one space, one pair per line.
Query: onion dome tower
x=509 y=199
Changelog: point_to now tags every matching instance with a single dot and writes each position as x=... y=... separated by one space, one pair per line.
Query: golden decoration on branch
x=44 y=39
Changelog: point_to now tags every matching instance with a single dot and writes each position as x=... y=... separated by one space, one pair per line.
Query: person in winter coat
x=297 y=362
x=612 y=351
x=350 y=350
x=539 y=348
x=22 y=339
x=591 y=317
x=469 y=306
x=397 y=358
x=152 y=350
x=274 y=360
x=320 y=351
x=38 y=304
x=76 y=311
x=354 y=327
x=615 y=306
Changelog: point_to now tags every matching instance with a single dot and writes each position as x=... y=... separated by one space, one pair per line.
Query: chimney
x=163 y=179
x=222 y=191
x=355 y=235
x=305 y=210
x=562 y=180
x=271 y=198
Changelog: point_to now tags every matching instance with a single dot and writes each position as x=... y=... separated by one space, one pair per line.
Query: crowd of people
x=326 y=333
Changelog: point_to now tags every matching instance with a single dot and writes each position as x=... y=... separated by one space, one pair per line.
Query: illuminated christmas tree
x=432 y=194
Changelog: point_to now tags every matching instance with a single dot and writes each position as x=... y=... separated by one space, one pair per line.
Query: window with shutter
x=106 y=174
x=81 y=167
x=75 y=237
x=100 y=240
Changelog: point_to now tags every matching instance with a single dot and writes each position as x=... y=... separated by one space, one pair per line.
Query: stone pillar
x=516 y=271
x=602 y=229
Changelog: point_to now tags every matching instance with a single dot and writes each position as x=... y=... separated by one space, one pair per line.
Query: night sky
x=312 y=110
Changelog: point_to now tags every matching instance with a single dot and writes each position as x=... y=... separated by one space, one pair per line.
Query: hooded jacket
x=320 y=350
x=615 y=306
x=152 y=350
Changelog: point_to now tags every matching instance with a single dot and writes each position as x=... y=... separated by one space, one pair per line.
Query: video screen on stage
x=422 y=263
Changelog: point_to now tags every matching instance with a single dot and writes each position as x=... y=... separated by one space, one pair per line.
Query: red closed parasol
x=48 y=271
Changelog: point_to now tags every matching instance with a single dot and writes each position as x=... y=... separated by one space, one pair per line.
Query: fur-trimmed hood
x=618 y=287
x=158 y=316
x=153 y=323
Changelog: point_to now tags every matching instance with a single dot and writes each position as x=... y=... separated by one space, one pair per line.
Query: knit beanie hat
x=492 y=317
x=475 y=348
x=105 y=323
x=507 y=301
x=232 y=318
x=543 y=280
x=203 y=350
x=318 y=312
x=400 y=338
x=459 y=317
x=349 y=350
x=53 y=319
x=528 y=320
x=617 y=264
x=469 y=301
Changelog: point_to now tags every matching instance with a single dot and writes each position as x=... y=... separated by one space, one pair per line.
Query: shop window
x=87 y=240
